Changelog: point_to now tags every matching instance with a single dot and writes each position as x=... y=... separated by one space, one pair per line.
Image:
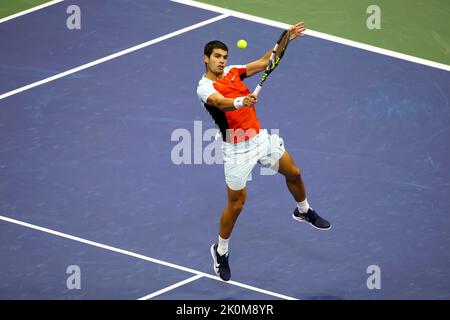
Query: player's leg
x=294 y=182
x=292 y=174
x=219 y=250
x=239 y=161
x=236 y=200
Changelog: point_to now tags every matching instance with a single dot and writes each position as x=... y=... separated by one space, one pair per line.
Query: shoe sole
x=213 y=255
x=304 y=221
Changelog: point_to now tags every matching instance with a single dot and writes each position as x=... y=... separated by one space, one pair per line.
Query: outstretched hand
x=297 y=31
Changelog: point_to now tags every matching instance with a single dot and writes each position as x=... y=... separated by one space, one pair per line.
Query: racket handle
x=257 y=90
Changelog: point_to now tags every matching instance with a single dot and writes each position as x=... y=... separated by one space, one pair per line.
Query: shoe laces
x=222 y=259
x=311 y=214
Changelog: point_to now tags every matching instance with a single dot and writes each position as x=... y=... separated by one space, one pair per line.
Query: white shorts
x=239 y=159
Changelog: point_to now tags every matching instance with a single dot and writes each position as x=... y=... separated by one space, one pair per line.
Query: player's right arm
x=229 y=104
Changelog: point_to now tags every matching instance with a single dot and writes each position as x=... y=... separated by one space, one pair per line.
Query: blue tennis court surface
x=89 y=155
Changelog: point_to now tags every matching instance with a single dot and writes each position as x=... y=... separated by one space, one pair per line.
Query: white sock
x=222 y=246
x=303 y=206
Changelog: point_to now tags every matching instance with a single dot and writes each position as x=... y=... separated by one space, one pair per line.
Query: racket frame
x=273 y=61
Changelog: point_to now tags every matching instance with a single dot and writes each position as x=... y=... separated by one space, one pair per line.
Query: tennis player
x=232 y=107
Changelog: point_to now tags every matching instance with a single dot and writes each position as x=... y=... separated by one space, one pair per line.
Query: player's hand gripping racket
x=275 y=58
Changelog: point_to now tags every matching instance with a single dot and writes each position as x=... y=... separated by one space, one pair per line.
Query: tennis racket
x=275 y=58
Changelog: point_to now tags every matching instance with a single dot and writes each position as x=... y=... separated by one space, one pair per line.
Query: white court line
x=21 y=13
x=174 y=286
x=113 y=56
x=142 y=257
x=316 y=34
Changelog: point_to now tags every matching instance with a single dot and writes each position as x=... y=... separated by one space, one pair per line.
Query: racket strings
x=283 y=43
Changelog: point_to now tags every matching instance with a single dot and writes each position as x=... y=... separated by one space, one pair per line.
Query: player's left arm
x=261 y=64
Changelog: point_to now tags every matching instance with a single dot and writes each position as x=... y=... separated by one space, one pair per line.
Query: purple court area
x=90 y=155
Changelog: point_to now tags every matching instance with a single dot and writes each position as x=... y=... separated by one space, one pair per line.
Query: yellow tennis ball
x=242 y=44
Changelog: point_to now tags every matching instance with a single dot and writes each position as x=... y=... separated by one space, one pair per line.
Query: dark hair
x=215 y=44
